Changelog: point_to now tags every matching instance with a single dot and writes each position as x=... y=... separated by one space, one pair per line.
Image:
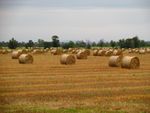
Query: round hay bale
x=25 y=59
x=9 y=50
x=53 y=51
x=117 y=52
x=36 y=51
x=74 y=51
x=42 y=50
x=123 y=49
x=130 y=62
x=148 y=50
x=115 y=61
x=56 y=52
x=23 y=51
x=65 y=50
x=95 y=52
x=67 y=59
x=136 y=51
x=16 y=54
x=130 y=51
x=46 y=49
x=81 y=55
x=70 y=49
x=51 y=48
x=4 y=51
x=87 y=51
x=77 y=50
x=108 y=53
x=142 y=51
x=101 y=53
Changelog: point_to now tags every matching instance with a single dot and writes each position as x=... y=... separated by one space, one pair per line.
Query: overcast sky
x=74 y=19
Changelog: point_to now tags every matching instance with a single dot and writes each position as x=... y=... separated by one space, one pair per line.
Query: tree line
x=134 y=42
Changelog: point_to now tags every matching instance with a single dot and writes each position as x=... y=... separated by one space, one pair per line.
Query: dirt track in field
x=89 y=82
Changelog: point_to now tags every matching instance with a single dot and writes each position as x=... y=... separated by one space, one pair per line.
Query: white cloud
x=74 y=24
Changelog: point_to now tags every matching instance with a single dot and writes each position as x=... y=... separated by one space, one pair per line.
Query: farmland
x=89 y=86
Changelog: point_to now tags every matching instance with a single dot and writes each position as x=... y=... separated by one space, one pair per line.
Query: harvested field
x=89 y=86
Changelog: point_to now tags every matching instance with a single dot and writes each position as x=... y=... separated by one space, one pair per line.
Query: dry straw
x=36 y=51
x=56 y=52
x=23 y=51
x=81 y=55
x=101 y=53
x=70 y=49
x=136 y=50
x=46 y=50
x=4 y=51
x=108 y=53
x=67 y=59
x=74 y=51
x=87 y=51
x=148 y=50
x=65 y=50
x=115 y=61
x=142 y=51
x=130 y=62
x=130 y=51
x=25 y=59
x=117 y=52
x=95 y=52
x=16 y=54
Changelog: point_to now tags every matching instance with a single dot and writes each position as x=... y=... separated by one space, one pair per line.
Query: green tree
x=3 y=44
x=147 y=43
x=88 y=45
x=71 y=44
x=67 y=45
x=30 y=43
x=13 y=44
x=64 y=45
x=129 y=43
x=55 y=41
x=93 y=44
x=101 y=43
x=136 y=42
x=40 y=43
x=121 y=43
x=106 y=44
x=47 y=44
x=112 y=43
x=142 y=43
x=80 y=44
